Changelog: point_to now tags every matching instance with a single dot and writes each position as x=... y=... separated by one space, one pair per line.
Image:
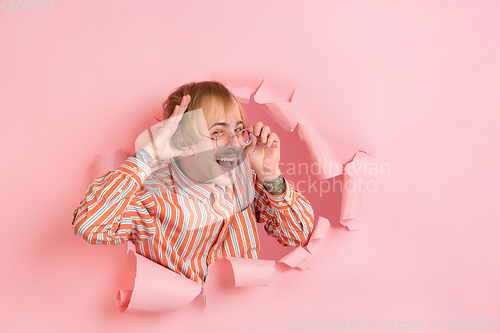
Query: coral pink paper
x=156 y=289
x=273 y=91
x=297 y=258
x=286 y=114
x=241 y=93
x=276 y=100
x=108 y=161
x=328 y=163
x=273 y=98
x=320 y=229
x=252 y=272
x=352 y=192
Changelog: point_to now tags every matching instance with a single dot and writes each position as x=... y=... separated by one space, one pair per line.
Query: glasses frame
x=237 y=135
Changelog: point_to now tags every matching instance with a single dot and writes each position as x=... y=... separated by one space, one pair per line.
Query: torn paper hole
x=247 y=272
x=273 y=98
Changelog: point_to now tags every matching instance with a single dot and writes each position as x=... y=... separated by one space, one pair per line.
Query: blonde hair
x=202 y=93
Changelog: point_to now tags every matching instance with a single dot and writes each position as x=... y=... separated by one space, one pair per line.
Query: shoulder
x=161 y=175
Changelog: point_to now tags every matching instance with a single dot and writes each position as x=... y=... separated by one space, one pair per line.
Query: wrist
x=269 y=176
x=145 y=154
x=276 y=186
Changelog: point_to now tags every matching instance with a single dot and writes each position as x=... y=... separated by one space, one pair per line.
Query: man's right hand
x=145 y=147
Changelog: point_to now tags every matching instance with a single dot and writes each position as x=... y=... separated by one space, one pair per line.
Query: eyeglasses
x=224 y=139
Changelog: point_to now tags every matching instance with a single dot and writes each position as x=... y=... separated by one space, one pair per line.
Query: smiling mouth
x=227 y=159
x=227 y=163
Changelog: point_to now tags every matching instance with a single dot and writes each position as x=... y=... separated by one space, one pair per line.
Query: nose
x=235 y=141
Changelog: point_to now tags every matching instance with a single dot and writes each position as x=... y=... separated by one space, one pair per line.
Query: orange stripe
x=162 y=212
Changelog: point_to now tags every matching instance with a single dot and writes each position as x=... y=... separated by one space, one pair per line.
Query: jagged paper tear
x=352 y=191
x=252 y=272
x=280 y=107
x=158 y=289
x=278 y=102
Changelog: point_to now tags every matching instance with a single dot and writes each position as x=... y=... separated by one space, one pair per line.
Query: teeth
x=226 y=159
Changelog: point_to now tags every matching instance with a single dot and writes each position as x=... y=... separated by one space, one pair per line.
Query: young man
x=193 y=193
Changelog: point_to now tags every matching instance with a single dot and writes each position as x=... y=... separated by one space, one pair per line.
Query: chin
x=226 y=163
x=226 y=178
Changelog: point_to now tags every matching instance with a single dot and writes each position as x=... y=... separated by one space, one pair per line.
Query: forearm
x=98 y=218
x=288 y=216
x=145 y=155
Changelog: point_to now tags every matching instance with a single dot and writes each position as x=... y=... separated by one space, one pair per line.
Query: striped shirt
x=184 y=225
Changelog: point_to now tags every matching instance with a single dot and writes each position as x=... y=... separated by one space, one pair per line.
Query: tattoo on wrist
x=276 y=186
x=144 y=156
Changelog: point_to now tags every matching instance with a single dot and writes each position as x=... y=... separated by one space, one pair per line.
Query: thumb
x=251 y=147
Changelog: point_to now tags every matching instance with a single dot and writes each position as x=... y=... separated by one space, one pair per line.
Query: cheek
x=203 y=145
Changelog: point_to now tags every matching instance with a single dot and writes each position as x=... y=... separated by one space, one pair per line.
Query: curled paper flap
x=156 y=289
x=320 y=229
x=252 y=272
x=297 y=258
x=273 y=91
x=108 y=161
x=241 y=93
x=123 y=299
x=353 y=189
x=287 y=115
x=276 y=100
x=352 y=200
x=328 y=163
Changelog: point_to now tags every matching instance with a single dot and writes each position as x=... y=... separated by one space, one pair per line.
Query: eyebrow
x=221 y=123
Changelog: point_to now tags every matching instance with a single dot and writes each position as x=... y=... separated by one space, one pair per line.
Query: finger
x=182 y=107
x=257 y=128
x=176 y=111
x=273 y=140
x=264 y=133
x=185 y=102
x=177 y=114
x=251 y=147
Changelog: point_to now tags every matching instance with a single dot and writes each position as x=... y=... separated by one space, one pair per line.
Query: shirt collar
x=199 y=191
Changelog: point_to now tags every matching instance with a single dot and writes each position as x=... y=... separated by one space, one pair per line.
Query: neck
x=186 y=164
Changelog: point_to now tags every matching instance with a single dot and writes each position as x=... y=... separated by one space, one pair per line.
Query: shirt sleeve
x=111 y=212
x=288 y=217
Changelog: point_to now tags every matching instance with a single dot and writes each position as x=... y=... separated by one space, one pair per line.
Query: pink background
x=415 y=83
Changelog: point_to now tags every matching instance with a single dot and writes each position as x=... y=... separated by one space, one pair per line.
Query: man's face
x=212 y=163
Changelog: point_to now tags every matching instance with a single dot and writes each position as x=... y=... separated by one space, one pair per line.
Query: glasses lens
x=245 y=137
x=224 y=140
